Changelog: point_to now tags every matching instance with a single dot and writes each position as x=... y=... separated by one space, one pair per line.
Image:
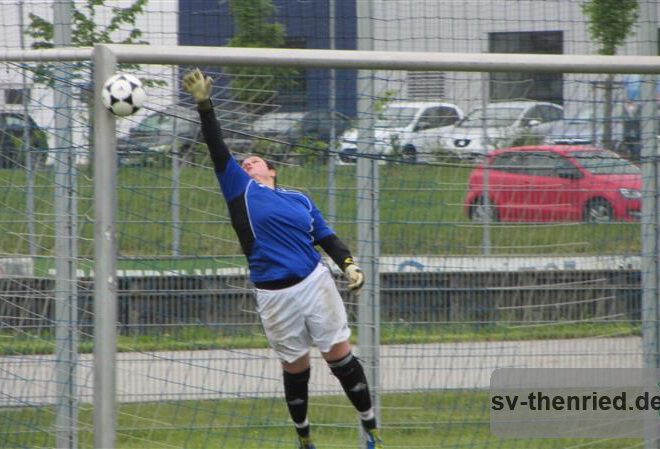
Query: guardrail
x=153 y=302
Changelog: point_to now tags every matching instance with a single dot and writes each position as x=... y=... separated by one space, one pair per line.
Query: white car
x=408 y=129
x=500 y=125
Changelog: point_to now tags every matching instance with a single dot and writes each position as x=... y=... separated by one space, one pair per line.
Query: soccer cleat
x=305 y=443
x=373 y=439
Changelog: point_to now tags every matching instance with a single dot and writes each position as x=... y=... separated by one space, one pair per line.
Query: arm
x=213 y=136
x=337 y=251
x=341 y=255
x=199 y=86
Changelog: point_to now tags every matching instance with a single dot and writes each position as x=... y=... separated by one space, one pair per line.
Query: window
x=522 y=85
x=495 y=116
x=16 y=96
x=508 y=162
x=17 y=121
x=533 y=114
x=543 y=114
x=156 y=122
x=437 y=117
x=550 y=114
x=546 y=164
x=396 y=117
x=441 y=116
x=605 y=163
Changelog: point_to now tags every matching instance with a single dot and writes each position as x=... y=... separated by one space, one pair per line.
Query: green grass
x=432 y=419
x=203 y=337
x=421 y=213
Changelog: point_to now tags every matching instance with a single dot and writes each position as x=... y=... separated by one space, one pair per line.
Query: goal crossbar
x=349 y=59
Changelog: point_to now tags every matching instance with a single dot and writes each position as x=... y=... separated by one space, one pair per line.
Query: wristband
x=205 y=105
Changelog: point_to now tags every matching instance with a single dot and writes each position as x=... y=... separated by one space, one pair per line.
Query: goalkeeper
x=297 y=299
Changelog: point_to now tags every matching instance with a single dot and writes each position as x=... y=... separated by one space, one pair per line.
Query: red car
x=555 y=183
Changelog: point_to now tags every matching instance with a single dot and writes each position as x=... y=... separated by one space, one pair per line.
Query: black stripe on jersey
x=240 y=220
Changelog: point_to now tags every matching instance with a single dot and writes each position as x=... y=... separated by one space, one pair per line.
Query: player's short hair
x=270 y=164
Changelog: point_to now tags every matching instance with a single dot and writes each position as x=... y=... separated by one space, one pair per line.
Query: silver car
x=500 y=125
x=587 y=127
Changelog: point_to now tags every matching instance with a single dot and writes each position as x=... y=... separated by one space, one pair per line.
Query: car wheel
x=598 y=210
x=482 y=213
x=409 y=153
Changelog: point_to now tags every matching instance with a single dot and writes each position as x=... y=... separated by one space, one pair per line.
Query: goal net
x=473 y=268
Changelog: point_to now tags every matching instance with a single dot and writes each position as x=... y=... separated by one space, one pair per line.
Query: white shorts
x=310 y=313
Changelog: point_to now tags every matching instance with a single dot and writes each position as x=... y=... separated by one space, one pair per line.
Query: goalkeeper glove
x=198 y=85
x=354 y=275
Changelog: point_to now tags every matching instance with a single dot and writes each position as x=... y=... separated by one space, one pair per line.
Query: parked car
x=177 y=126
x=12 y=133
x=410 y=129
x=555 y=183
x=587 y=126
x=154 y=136
x=283 y=131
x=499 y=125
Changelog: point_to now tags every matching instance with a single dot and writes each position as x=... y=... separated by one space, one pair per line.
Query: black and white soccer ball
x=123 y=94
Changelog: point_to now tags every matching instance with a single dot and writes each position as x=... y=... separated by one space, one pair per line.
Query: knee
x=294 y=379
x=346 y=366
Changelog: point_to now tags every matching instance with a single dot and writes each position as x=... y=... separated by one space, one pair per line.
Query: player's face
x=257 y=168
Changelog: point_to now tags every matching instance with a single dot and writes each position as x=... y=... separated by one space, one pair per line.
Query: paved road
x=248 y=373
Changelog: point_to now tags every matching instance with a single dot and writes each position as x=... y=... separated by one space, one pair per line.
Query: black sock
x=369 y=424
x=296 y=395
x=351 y=376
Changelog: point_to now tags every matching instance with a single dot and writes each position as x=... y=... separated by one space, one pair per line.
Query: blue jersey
x=277 y=228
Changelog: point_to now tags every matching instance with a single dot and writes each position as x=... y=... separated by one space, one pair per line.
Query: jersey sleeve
x=232 y=178
x=213 y=136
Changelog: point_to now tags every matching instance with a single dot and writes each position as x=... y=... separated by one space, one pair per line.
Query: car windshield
x=161 y=122
x=605 y=163
x=587 y=113
x=495 y=117
x=280 y=122
x=396 y=117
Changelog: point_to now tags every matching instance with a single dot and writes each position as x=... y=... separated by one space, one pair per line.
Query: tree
x=255 y=28
x=610 y=23
x=85 y=32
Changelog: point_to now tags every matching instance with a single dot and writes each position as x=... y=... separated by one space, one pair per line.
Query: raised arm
x=199 y=86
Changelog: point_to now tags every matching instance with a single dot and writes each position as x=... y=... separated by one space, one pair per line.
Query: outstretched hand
x=198 y=85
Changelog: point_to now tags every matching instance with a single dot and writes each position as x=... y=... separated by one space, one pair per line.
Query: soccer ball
x=123 y=94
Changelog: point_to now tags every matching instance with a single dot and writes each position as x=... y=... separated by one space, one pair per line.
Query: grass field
x=421 y=213
x=443 y=419
x=191 y=338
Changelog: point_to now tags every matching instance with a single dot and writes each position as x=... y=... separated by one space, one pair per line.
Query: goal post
x=105 y=252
